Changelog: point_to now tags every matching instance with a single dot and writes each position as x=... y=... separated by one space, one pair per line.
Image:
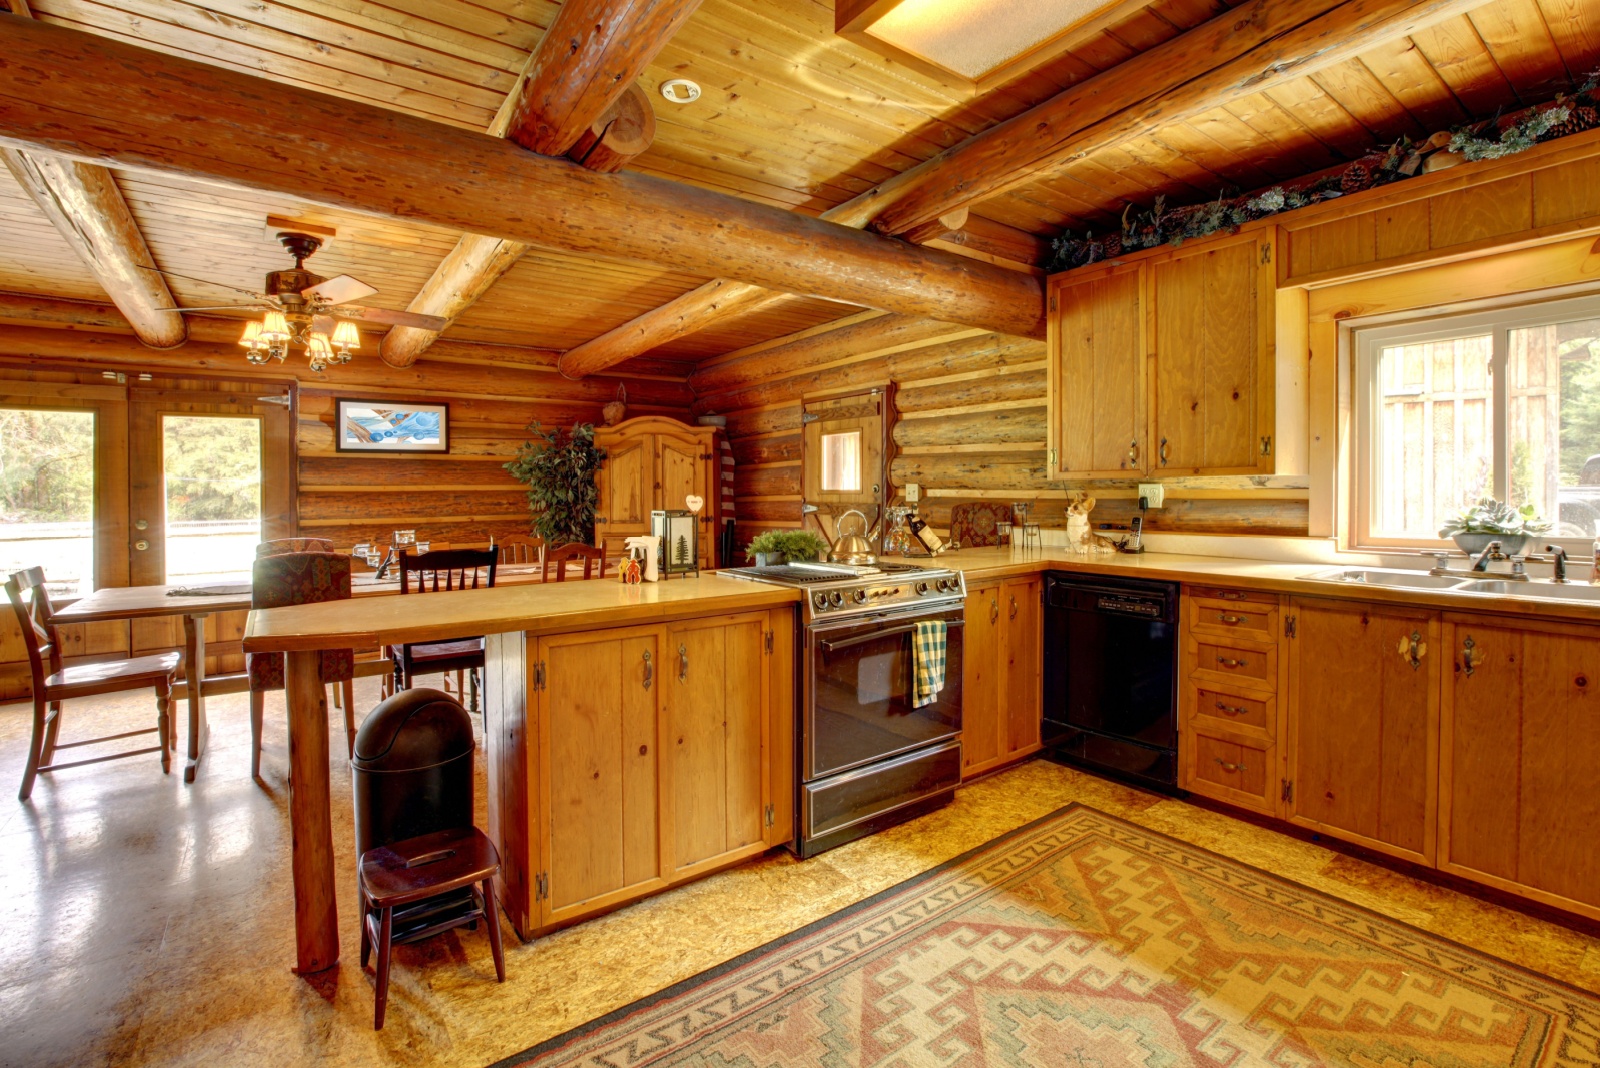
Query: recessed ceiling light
x=680 y=91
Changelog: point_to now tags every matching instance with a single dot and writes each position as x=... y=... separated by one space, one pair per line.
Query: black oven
x=868 y=758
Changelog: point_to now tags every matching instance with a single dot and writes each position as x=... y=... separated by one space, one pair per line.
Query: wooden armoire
x=653 y=463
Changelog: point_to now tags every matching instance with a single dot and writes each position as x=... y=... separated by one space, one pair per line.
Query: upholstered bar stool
x=291 y=579
x=53 y=684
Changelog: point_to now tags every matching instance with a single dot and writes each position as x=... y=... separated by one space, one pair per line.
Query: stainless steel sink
x=1411 y=580
x=1538 y=591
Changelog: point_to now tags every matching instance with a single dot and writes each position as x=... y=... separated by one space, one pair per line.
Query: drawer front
x=1247 y=619
x=1237 y=663
x=1232 y=771
x=1212 y=593
x=1241 y=712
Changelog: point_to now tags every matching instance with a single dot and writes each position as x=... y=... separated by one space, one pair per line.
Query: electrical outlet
x=1153 y=493
x=913 y=493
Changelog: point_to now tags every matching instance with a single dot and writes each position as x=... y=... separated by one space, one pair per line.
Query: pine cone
x=1361 y=174
x=1112 y=245
x=1580 y=117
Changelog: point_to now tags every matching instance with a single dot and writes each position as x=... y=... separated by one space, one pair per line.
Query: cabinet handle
x=1226 y=662
x=1413 y=649
x=1231 y=595
x=994 y=609
x=1163 y=451
x=1468 y=655
x=1013 y=606
x=649 y=670
x=683 y=663
x=1133 y=452
x=1233 y=619
x=1232 y=710
x=1226 y=766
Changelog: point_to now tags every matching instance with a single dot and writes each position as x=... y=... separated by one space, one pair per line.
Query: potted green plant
x=1489 y=520
x=781 y=546
x=559 y=471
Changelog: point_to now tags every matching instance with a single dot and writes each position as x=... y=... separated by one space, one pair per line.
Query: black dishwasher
x=1110 y=676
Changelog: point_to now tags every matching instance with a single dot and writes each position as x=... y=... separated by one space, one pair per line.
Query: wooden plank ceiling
x=791 y=115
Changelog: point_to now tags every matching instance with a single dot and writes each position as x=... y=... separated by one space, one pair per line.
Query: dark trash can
x=412 y=770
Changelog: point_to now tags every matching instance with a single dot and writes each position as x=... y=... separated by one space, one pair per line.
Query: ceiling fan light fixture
x=274 y=327
x=319 y=351
x=252 y=335
x=346 y=335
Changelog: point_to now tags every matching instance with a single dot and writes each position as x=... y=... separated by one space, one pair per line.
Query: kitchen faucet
x=1560 y=555
x=1492 y=550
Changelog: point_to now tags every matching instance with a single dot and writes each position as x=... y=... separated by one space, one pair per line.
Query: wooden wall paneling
x=1491 y=209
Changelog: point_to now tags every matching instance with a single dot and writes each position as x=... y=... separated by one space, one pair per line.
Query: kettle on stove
x=855 y=545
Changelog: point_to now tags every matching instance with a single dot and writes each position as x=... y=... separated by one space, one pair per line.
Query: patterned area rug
x=1083 y=941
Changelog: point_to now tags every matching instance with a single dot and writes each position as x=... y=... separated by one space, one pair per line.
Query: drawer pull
x=1226 y=766
x=1231 y=663
x=1233 y=619
x=1232 y=710
x=1230 y=595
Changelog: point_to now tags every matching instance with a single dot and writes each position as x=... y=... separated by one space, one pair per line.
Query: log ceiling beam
x=682 y=315
x=103 y=101
x=1242 y=51
x=87 y=209
x=577 y=96
x=1249 y=49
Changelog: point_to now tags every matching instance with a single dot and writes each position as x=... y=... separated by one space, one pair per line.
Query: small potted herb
x=1491 y=520
x=780 y=546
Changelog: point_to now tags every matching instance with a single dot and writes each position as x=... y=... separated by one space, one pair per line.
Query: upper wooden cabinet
x=1097 y=380
x=652 y=464
x=1166 y=363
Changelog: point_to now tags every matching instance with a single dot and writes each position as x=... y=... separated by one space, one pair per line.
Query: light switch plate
x=1153 y=493
x=913 y=493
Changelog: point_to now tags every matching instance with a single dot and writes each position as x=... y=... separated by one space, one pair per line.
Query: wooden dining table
x=154 y=602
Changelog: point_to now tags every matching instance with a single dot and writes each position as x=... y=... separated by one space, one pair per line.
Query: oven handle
x=862 y=639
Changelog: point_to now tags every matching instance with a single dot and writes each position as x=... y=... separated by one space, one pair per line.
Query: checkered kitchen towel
x=927 y=661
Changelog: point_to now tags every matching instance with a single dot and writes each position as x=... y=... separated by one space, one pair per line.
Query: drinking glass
x=422 y=546
x=404 y=537
x=1003 y=529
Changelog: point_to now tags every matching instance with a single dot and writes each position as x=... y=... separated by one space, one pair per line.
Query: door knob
x=141 y=545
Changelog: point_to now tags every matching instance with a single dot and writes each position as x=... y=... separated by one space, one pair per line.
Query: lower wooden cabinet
x=1520 y=744
x=624 y=761
x=1363 y=724
x=1002 y=684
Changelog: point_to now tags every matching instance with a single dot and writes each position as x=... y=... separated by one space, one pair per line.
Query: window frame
x=1367 y=340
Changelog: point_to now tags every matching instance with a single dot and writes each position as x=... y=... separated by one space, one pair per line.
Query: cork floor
x=146 y=922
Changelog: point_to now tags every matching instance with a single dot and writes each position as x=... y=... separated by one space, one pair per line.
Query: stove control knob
x=820 y=600
x=859 y=597
x=946 y=585
x=838 y=598
x=922 y=588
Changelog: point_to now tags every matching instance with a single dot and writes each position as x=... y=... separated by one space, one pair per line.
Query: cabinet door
x=1212 y=315
x=1024 y=685
x=1363 y=724
x=982 y=681
x=599 y=754
x=682 y=465
x=1097 y=373
x=625 y=484
x=1520 y=743
x=715 y=686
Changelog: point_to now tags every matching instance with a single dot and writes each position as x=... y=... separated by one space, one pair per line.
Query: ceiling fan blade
x=339 y=290
x=202 y=281
x=227 y=307
x=436 y=323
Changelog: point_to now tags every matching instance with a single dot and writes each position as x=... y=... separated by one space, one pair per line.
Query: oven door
x=858 y=691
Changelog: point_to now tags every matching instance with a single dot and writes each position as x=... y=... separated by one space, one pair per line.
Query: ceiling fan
x=305 y=309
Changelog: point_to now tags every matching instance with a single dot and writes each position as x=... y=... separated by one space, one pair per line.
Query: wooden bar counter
x=706 y=719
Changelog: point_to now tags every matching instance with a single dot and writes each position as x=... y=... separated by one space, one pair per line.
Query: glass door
x=47 y=496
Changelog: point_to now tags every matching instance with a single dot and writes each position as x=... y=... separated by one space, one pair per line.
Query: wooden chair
x=290 y=579
x=53 y=684
x=293 y=545
x=559 y=556
x=454 y=569
x=521 y=549
x=401 y=885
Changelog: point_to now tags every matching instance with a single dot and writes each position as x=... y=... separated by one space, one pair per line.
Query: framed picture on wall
x=392 y=426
